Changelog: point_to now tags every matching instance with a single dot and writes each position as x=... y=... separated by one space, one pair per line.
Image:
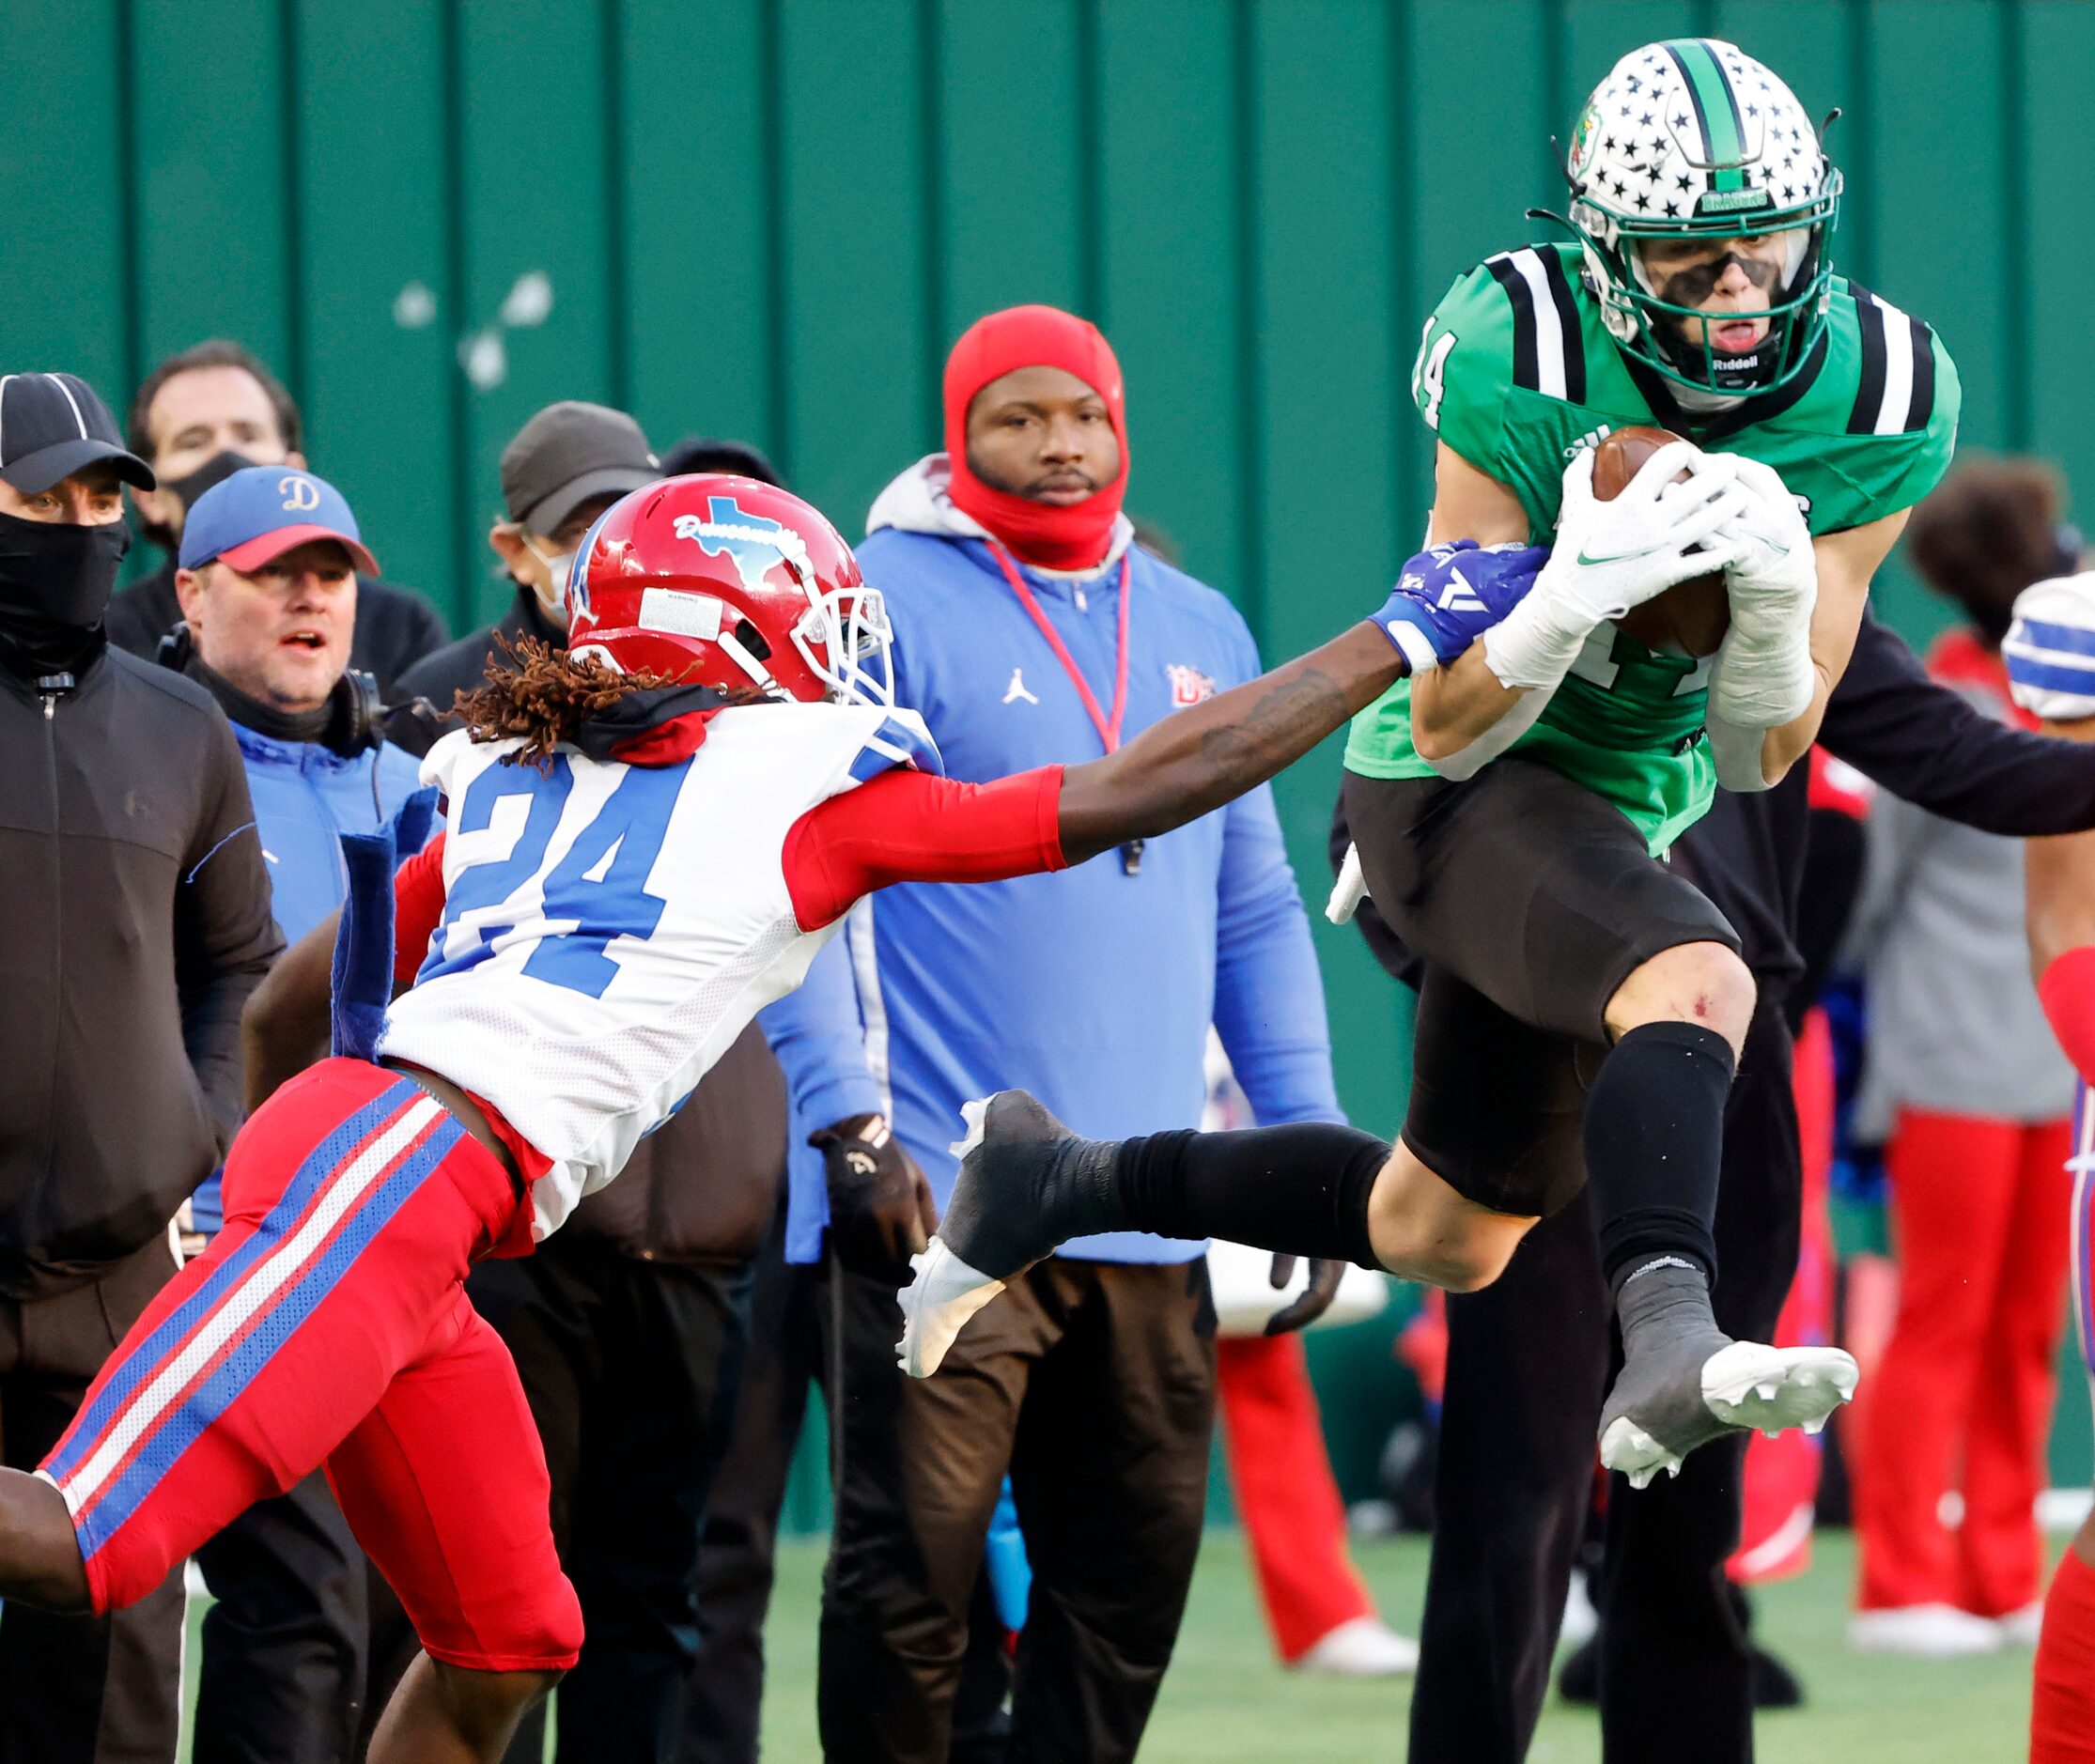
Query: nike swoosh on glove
x=1611 y=556
x=1763 y=676
x=1449 y=594
x=2050 y=648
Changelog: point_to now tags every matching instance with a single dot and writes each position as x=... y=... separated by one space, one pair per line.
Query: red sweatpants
x=1285 y=1494
x=1979 y=1218
x=328 y=1324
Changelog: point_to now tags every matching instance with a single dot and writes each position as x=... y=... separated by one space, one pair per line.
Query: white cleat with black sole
x=1744 y=1385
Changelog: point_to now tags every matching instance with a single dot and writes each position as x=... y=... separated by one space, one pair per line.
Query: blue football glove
x=1449 y=596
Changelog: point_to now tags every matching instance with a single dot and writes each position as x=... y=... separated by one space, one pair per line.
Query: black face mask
x=56 y=580
x=208 y=477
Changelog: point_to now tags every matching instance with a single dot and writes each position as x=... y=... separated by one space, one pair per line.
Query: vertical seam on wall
x=2014 y=162
x=1702 y=18
x=1091 y=165
x=932 y=223
x=771 y=148
x=610 y=15
x=1400 y=19
x=1861 y=58
x=291 y=186
x=451 y=71
x=1557 y=94
x=129 y=270
x=1250 y=316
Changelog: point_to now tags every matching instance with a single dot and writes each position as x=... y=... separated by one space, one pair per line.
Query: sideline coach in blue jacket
x=268 y=586
x=1029 y=628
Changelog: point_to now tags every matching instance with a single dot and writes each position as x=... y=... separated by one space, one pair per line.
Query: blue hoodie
x=306 y=796
x=1093 y=988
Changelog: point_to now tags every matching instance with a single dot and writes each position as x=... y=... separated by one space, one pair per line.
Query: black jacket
x=395 y=627
x=1890 y=721
x=137 y=907
x=460 y=666
x=700 y=1191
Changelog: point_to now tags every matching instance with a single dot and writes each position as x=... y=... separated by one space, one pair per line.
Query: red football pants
x=1979 y=1218
x=328 y=1324
x=1285 y=1494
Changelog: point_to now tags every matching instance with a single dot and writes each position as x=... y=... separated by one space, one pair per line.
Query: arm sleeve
x=1924 y=742
x=819 y=1038
x=225 y=936
x=2067 y=992
x=417 y=910
x=1268 y=991
x=912 y=826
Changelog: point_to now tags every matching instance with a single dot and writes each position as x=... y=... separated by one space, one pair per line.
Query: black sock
x=1301 y=1190
x=1654 y=1140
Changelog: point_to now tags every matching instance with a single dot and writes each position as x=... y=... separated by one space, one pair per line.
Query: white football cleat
x=1361 y=1648
x=1746 y=1384
x=937 y=1305
x=1928 y=1631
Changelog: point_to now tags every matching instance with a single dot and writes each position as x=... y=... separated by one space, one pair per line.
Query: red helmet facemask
x=729 y=582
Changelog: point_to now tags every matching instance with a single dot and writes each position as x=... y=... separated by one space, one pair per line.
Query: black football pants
x=790 y=1336
x=1529 y=1362
x=83 y=1690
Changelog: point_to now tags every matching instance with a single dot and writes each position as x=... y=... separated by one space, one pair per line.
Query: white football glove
x=1609 y=557
x=1764 y=676
x=2050 y=648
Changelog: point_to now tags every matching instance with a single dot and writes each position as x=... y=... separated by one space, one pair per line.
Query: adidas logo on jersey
x=1593 y=438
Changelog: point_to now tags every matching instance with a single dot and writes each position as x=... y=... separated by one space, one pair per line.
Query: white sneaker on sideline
x=2019 y=1629
x=1361 y=1647
x=1931 y=1632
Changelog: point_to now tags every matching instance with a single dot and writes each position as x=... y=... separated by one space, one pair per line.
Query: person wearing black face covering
x=199 y=417
x=134 y=889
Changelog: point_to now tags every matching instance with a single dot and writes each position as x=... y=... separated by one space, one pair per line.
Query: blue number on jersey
x=598 y=886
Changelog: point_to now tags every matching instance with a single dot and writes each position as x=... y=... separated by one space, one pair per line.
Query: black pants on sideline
x=1093 y=1384
x=284 y=1644
x=1528 y=1361
x=83 y=1690
x=630 y=1366
x=790 y=1334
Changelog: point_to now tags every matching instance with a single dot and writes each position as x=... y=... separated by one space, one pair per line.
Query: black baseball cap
x=568 y=453
x=52 y=424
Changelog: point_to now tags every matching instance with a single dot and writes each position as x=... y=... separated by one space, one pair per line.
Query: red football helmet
x=726 y=582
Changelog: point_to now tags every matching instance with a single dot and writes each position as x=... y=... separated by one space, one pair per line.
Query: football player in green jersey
x=1512 y=810
x=1581 y=1005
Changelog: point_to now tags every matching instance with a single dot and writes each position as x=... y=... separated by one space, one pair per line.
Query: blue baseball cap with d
x=262 y=512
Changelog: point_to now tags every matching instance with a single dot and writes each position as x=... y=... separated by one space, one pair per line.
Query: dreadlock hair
x=545 y=694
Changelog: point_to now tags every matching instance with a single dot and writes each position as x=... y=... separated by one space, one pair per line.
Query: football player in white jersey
x=645 y=840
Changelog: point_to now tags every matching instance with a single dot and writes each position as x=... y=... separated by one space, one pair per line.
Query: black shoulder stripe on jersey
x=1568 y=327
x=1920 y=408
x=1868 y=395
x=1527 y=370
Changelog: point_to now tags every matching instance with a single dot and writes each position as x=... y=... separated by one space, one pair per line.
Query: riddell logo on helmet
x=753 y=542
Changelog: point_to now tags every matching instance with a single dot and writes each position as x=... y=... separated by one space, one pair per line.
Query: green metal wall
x=770 y=217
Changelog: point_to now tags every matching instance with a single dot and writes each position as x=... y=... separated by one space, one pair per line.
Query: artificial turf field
x=1226 y=1702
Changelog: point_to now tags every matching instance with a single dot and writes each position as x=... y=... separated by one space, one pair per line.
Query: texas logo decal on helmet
x=728 y=582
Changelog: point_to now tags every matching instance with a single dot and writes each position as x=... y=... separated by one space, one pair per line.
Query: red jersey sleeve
x=417 y=910
x=913 y=827
x=2068 y=993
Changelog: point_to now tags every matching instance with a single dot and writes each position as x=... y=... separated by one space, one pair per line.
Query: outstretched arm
x=1196 y=760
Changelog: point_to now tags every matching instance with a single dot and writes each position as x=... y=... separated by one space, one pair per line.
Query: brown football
x=1691 y=619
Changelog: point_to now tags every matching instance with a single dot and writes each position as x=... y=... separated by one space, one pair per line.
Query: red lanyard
x=1108 y=732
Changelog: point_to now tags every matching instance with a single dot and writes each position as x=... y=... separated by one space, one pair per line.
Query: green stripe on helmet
x=1715 y=110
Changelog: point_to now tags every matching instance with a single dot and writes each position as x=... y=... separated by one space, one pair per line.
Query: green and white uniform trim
x=1516 y=371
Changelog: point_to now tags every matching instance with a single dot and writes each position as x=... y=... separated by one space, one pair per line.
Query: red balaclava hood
x=1074 y=537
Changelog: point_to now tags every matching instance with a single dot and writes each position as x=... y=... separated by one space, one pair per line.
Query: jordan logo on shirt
x=1016 y=689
